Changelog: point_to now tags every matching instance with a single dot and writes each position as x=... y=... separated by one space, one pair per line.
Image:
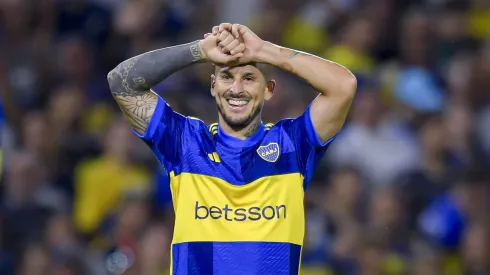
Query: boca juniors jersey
x=238 y=203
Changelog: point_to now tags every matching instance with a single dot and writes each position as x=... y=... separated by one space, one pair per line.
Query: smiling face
x=240 y=93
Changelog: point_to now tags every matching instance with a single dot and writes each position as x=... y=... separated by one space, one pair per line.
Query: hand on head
x=236 y=41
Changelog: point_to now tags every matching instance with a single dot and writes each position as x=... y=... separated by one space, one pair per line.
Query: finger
x=233 y=44
x=215 y=30
x=223 y=35
x=238 y=49
x=234 y=31
x=225 y=26
x=206 y=35
x=241 y=29
x=227 y=42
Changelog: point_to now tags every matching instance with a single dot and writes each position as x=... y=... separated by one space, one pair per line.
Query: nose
x=237 y=87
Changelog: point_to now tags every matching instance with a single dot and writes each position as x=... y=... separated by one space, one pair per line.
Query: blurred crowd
x=403 y=190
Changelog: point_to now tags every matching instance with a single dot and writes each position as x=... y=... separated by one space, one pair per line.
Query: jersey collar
x=232 y=141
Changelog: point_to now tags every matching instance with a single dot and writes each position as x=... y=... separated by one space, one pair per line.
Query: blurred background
x=403 y=190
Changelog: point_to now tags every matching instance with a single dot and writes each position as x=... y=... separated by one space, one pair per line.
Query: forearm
x=328 y=77
x=137 y=75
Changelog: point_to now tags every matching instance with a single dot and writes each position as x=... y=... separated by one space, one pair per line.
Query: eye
x=249 y=78
x=225 y=76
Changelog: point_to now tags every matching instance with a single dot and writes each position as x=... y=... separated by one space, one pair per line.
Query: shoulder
x=195 y=129
x=286 y=126
x=196 y=123
x=278 y=133
x=283 y=123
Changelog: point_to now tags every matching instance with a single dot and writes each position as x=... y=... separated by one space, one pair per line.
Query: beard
x=238 y=122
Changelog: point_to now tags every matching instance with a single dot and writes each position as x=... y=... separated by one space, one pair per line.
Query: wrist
x=269 y=54
x=203 y=57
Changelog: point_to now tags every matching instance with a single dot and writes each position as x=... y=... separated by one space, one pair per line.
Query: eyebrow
x=249 y=74
x=225 y=71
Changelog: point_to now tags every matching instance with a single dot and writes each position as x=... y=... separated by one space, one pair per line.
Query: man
x=237 y=185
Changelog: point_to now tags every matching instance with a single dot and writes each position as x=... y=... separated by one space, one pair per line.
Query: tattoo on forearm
x=252 y=129
x=118 y=80
x=291 y=55
x=296 y=53
x=130 y=82
x=196 y=52
x=138 y=74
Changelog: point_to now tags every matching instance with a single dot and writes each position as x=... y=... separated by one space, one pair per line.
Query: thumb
x=206 y=35
x=239 y=29
x=234 y=30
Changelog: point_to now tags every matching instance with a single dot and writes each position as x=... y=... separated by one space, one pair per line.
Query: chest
x=242 y=165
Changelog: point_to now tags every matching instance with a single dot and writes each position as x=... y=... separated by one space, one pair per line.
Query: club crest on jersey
x=269 y=152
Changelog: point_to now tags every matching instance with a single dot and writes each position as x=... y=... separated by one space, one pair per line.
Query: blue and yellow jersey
x=238 y=203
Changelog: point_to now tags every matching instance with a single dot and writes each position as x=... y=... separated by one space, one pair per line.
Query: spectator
x=380 y=147
x=404 y=188
x=100 y=184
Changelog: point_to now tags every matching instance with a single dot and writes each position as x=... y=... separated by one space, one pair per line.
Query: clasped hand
x=231 y=44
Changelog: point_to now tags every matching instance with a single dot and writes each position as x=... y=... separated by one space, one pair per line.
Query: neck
x=243 y=132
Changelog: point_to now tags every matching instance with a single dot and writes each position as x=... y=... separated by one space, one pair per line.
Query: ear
x=271 y=85
x=213 y=81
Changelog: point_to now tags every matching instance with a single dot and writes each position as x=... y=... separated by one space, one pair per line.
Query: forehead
x=241 y=70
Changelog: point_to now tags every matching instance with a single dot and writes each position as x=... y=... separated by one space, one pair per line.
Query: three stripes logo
x=214 y=157
x=213 y=129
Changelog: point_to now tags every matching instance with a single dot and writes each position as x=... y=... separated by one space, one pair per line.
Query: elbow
x=112 y=77
x=349 y=85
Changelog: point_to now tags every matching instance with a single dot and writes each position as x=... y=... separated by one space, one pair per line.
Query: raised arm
x=130 y=82
x=336 y=84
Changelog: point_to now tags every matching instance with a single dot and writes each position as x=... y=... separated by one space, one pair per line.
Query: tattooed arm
x=336 y=84
x=130 y=81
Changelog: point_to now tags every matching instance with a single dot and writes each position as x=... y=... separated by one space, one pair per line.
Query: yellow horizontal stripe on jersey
x=269 y=209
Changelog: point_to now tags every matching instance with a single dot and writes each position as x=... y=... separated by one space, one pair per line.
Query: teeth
x=237 y=102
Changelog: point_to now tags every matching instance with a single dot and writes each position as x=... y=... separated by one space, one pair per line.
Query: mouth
x=237 y=104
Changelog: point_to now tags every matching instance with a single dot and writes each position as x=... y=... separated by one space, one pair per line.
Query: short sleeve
x=165 y=134
x=309 y=148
